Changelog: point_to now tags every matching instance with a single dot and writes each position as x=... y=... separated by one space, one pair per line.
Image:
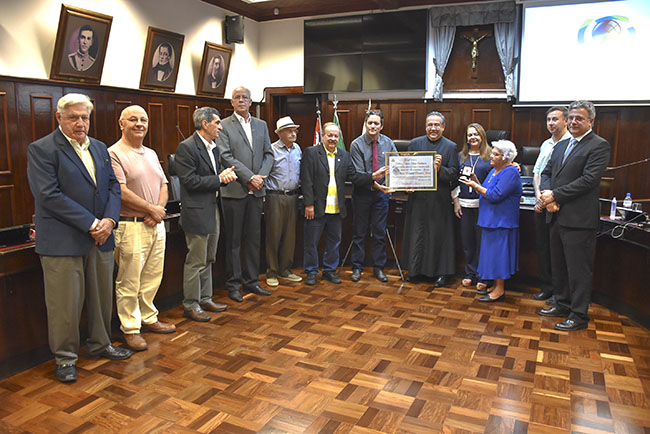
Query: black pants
x=543 y=244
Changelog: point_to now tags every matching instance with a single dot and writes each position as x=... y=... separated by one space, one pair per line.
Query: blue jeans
x=331 y=225
x=369 y=207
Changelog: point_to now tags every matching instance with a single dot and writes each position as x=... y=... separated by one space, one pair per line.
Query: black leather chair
x=402 y=145
x=494 y=135
x=174 y=181
x=527 y=158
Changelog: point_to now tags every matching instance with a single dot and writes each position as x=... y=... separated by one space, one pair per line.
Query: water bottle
x=627 y=203
x=612 y=209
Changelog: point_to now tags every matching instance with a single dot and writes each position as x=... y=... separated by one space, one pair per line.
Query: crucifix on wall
x=474 y=38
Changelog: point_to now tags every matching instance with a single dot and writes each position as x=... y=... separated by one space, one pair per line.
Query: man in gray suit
x=245 y=145
x=570 y=188
x=197 y=163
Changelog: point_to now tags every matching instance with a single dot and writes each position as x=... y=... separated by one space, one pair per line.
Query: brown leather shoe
x=197 y=314
x=135 y=342
x=158 y=327
x=211 y=306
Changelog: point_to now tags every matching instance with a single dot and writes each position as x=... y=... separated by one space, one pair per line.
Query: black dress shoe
x=412 y=279
x=569 y=325
x=482 y=291
x=441 y=281
x=551 y=300
x=331 y=276
x=311 y=279
x=543 y=295
x=488 y=299
x=380 y=275
x=66 y=373
x=235 y=295
x=553 y=311
x=258 y=290
x=113 y=353
x=356 y=275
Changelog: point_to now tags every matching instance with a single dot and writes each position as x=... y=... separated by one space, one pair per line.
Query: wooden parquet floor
x=355 y=358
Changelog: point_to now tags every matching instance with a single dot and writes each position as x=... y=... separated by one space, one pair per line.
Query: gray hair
x=507 y=148
x=204 y=114
x=434 y=113
x=582 y=104
x=72 y=99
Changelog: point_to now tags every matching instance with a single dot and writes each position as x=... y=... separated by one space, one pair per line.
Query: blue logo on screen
x=605 y=29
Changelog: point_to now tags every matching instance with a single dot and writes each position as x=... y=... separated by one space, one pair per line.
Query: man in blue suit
x=77 y=202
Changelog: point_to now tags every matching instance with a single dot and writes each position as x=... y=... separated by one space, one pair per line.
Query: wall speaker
x=234 y=29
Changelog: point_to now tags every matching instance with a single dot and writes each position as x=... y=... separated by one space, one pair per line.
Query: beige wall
x=271 y=55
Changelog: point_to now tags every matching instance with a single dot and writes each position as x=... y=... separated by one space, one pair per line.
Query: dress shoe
x=551 y=301
x=356 y=275
x=235 y=295
x=331 y=277
x=113 y=353
x=412 y=279
x=211 y=306
x=311 y=279
x=272 y=281
x=483 y=292
x=66 y=373
x=197 y=314
x=569 y=325
x=258 y=290
x=553 y=311
x=441 y=281
x=135 y=342
x=291 y=277
x=542 y=295
x=489 y=299
x=158 y=327
x=380 y=275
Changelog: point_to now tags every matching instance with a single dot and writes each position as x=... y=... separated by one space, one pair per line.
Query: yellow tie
x=86 y=157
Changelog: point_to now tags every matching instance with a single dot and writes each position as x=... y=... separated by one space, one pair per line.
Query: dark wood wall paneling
x=28 y=112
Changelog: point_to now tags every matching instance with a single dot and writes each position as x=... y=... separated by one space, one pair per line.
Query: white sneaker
x=291 y=277
x=272 y=281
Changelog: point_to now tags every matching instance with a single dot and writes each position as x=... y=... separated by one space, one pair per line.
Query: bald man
x=140 y=234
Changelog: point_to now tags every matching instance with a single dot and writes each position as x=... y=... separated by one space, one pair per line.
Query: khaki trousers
x=280 y=217
x=69 y=280
x=197 y=270
x=140 y=257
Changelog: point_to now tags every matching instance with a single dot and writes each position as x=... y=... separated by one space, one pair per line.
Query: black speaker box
x=234 y=29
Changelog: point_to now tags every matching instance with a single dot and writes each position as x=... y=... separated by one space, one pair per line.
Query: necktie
x=572 y=144
x=375 y=157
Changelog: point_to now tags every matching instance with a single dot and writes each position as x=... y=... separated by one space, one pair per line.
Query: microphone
x=180 y=132
x=645 y=160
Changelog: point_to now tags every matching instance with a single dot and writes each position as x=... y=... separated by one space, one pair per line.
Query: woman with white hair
x=499 y=220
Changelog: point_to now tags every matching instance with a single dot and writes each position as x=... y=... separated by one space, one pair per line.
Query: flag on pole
x=318 y=136
x=341 y=145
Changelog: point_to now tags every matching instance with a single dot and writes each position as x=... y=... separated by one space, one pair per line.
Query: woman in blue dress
x=474 y=158
x=499 y=219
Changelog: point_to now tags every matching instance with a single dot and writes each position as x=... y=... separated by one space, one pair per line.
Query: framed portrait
x=214 y=70
x=80 y=47
x=162 y=57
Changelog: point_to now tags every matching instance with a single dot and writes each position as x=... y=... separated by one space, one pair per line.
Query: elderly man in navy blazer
x=571 y=186
x=197 y=165
x=245 y=145
x=77 y=203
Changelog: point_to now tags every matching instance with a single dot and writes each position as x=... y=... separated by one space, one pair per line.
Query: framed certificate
x=411 y=170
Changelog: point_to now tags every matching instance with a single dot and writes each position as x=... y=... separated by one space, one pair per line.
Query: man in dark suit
x=197 y=165
x=77 y=203
x=323 y=172
x=571 y=184
x=244 y=144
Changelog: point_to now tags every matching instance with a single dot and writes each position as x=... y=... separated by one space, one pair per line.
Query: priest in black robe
x=429 y=242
